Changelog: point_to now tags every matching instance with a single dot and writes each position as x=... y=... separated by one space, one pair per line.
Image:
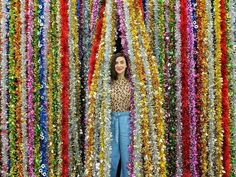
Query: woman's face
x=120 y=65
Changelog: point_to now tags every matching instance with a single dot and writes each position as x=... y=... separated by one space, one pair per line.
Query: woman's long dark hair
x=113 y=63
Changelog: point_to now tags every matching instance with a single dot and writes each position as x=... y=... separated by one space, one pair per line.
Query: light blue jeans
x=120 y=141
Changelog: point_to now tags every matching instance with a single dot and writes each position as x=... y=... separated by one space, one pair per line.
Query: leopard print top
x=120 y=95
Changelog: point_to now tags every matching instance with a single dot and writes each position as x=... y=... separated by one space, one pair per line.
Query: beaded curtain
x=55 y=78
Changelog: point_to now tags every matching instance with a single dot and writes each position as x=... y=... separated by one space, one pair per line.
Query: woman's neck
x=120 y=76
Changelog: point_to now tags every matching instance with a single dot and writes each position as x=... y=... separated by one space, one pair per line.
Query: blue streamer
x=194 y=19
x=43 y=95
x=145 y=11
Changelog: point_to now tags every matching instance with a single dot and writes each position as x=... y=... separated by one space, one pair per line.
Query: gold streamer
x=203 y=67
x=218 y=85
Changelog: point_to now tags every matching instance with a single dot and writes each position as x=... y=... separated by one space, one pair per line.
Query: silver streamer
x=4 y=73
x=232 y=14
x=106 y=85
x=156 y=48
x=150 y=91
x=137 y=138
x=179 y=159
x=73 y=126
x=211 y=90
x=24 y=88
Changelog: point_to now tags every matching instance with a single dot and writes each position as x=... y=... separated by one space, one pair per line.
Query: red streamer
x=141 y=6
x=184 y=91
x=95 y=45
x=225 y=97
x=65 y=84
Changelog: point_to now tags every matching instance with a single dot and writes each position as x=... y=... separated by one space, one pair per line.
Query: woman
x=120 y=106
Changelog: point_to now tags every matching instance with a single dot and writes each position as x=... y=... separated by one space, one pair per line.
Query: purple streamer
x=192 y=94
x=30 y=89
x=94 y=15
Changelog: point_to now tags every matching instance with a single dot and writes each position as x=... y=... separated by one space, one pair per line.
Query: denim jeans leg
x=124 y=143
x=115 y=154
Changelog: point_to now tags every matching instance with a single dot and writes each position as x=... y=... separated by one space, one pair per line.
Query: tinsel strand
x=12 y=91
x=225 y=96
x=158 y=100
x=43 y=94
x=24 y=88
x=65 y=84
x=211 y=91
x=37 y=86
x=4 y=88
x=169 y=85
x=232 y=34
x=18 y=82
x=137 y=160
x=30 y=87
x=191 y=84
x=201 y=89
x=218 y=86
x=185 y=89
x=179 y=159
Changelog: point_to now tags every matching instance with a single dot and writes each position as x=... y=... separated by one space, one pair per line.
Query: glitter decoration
x=74 y=116
x=42 y=91
x=211 y=91
x=4 y=88
x=185 y=89
x=225 y=97
x=24 y=88
x=17 y=42
x=65 y=87
x=94 y=15
x=201 y=86
x=37 y=87
x=159 y=42
x=218 y=91
x=191 y=84
x=179 y=159
x=169 y=88
x=232 y=82
x=12 y=81
x=30 y=87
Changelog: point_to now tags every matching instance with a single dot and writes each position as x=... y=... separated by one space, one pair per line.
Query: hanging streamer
x=24 y=88
x=65 y=83
x=42 y=90
x=169 y=85
x=218 y=93
x=232 y=33
x=191 y=86
x=201 y=86
x=225 y=97
x=37 y=87
x=17 y=43
x=4 y=88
